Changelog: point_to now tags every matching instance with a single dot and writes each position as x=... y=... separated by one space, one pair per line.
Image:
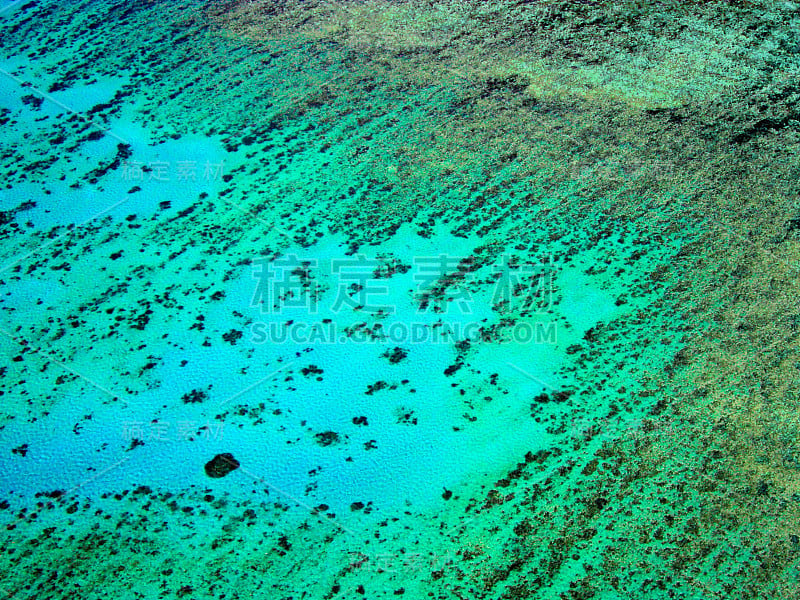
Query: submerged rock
x=221 y=465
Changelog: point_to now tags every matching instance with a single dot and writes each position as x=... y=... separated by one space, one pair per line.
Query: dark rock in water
x=221 y=465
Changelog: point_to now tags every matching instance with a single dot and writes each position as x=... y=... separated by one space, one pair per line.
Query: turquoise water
x=259 y=402
x=312 y=300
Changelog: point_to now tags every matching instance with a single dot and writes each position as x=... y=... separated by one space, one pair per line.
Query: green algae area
x=656 y=140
